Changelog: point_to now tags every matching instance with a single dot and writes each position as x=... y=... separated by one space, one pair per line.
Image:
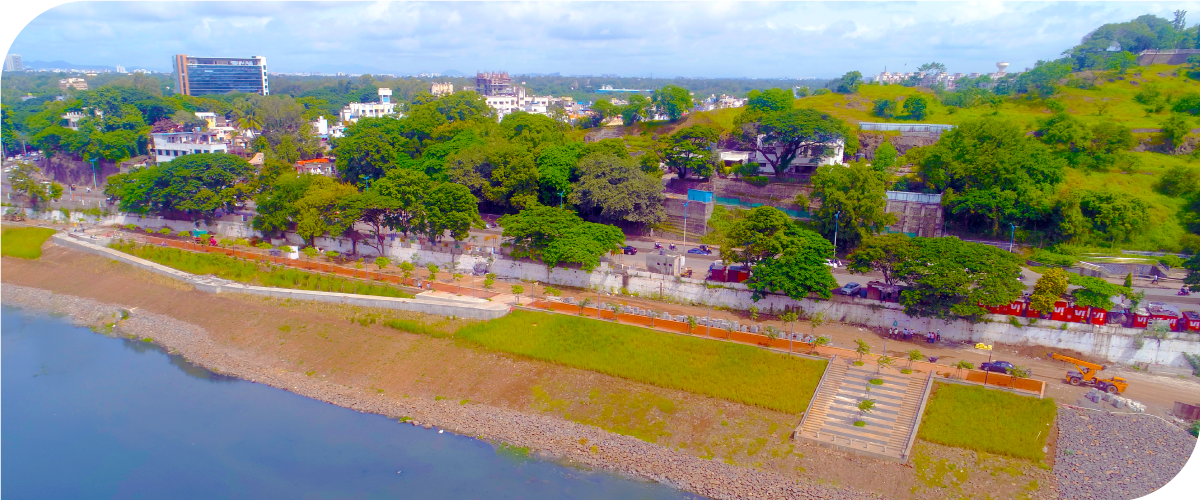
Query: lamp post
x=685 y=204
x=560 y=201
x=94 y=183
x=837 y=217
x=1012 y=237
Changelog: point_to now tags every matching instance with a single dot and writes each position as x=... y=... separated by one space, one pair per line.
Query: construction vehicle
x=1087 y=373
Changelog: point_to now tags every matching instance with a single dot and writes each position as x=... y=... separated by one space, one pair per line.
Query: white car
x=834 y=263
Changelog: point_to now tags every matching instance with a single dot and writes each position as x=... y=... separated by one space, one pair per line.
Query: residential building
x=829 y=153
x=504 y=97
x=12 y=62
x=219 y=75
x=120 y=69
x=73 y=83
x=441 y=88
x=167 y=146
x=320 y=127
x=217 y=123
x=317 y=166
x=355 y=110
x=489 y=84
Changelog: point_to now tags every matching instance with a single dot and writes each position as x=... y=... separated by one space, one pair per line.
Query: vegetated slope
x=987 y=420
x=24 y=242
x=735 y=372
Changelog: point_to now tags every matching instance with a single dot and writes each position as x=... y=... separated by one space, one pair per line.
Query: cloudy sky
x=725 y=39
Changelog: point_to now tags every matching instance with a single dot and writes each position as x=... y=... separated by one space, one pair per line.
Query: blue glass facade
x=212 y=75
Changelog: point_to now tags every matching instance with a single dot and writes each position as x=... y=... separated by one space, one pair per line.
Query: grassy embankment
x=24 y=242
x=739 y=373
x=987 y=420
x=224 y=266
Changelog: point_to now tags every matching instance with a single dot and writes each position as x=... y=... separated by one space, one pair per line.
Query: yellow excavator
x=1086 y=373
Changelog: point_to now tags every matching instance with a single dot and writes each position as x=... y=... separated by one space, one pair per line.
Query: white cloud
x=631 y=38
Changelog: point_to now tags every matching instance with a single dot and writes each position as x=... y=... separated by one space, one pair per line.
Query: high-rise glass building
x=218 y=75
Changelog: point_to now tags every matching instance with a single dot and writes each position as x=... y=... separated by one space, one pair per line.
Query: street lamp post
x=95 y=185
x=837 y=217
x=1012 y=237
x=685 y=221
x=560 y=201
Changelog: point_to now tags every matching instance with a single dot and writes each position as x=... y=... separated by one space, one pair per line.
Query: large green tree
x=989 y=170
x=853 y=202
x=613 y=189
x=690 y=151
x=672 y=100
x=947 y=278
x=450 y=209
x=557 y=236
x=778 y=137
x=882 y=253
x=798 y=270
x=193 y=186
x=1095 y=292
x=770 y=100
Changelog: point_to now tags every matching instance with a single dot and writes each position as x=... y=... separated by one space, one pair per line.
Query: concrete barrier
x=440 y=304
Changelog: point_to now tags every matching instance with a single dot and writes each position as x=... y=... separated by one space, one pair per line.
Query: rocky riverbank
x=548 y=437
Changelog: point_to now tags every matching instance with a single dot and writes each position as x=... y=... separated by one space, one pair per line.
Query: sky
x=661 y=39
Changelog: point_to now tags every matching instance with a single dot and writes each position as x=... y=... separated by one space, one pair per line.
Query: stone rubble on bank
x=550 y=437
x=1116 y=456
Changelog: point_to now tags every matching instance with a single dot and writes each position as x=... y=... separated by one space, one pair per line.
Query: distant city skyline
x=714 y=40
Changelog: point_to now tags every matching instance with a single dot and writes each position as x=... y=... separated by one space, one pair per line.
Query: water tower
x=1000 y=67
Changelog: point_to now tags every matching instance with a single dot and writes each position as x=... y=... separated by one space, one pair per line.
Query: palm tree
x=822 y=340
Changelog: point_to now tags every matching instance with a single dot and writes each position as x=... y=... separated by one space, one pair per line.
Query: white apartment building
x=518 y=101
x=74 y=117
x=167 y=146
x=356 y=110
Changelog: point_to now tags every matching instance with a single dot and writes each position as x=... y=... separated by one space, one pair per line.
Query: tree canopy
x=557 y=236
x=194 y=186
x=779 y=136
x=948 y=278
x=856 y=192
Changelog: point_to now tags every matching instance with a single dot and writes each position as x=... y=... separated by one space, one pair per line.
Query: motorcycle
x=657 y=246
x=1183 y=292
x=672 y=246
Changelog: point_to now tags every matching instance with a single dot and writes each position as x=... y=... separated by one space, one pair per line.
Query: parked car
x=834 y=263
x=701 y=250
x=999 y=367
x=850 y=289
x=628 y=250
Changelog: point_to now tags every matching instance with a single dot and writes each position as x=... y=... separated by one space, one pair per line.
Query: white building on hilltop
x=356 y=110
x=170 y=145
x=505 y=104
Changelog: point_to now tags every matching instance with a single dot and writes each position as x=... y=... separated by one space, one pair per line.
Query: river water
x=90 y=416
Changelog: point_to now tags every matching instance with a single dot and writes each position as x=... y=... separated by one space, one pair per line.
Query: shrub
x=311 y=252
x=265 y=246
x=183 y=234
x=876 y=381
x=332 y=254
x=164 y=231
x=382 y=262
x=131 y=227
x=1054 y=259
x=757 y=180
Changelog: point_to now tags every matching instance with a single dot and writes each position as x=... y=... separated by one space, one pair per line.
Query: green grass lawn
x=740 y=373
x=243 y=271
x=987 y=420
x=24 y=242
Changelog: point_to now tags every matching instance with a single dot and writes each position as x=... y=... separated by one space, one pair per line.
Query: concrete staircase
x=834 y=409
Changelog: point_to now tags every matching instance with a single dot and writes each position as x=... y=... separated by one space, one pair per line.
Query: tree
x=690 y=151
x=916 y=107
x=770 y=100
x=450 y=208
x=989 y=169
x=557 y=236
x=531 y=130
x=914 y=355
x=885 y=158
x=604 y=109
x=789 y=318
x=884 y=362
x=1192 y=280
x=503 y=173
x=963 y=365
x=672 y=100
x=751 y=237
x=862 y=348
x=433 y=270
x=612 y=189
x=948 y=278
x=884 y=108
x=327 y=207
x=23 y=181
x=798 y=270
x=382 y=262
x=403 y=191
x=882 y=253
x=1175 y=130
x=847 y=84
x=857 y=192
x=1095 y=292
x=276 y=207
x=635 y=111
x=1048 y=289
x=365 y=152
x=933 y=67
x=194 y=186
x=1107 y=213
x=778 y=137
